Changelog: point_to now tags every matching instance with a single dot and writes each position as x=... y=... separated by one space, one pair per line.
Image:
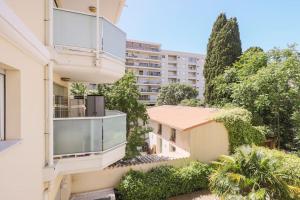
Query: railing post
x=97 y=32
x=102 y=145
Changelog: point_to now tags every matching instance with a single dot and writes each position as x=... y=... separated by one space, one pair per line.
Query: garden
x=252 y=172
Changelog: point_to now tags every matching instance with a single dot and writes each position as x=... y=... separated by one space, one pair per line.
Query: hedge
x=240 y=129
x=163 y=182
x=257 y=173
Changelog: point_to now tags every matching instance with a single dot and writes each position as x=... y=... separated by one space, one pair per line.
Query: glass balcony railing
x=89 y=134
x=75 y=29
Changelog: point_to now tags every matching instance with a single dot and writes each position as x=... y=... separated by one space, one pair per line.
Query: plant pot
x=78 y=97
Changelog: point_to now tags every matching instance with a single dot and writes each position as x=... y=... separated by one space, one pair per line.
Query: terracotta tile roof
x=181 y=117
x=149 y=158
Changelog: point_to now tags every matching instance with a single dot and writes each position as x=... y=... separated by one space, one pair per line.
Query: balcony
x=85 y=143
x=75 y=47
x=143 y=57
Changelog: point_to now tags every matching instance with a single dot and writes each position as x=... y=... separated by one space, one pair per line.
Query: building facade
x=45 y=44
x=155 y=67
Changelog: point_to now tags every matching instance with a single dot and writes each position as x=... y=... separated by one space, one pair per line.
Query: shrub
x=192 y=102
x=163 y=182
x=257 y=173
x=240 y=129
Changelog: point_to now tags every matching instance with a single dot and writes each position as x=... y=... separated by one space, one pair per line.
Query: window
x=173 y=135
x=172 y=148
x=2 y=106
x=159 y=129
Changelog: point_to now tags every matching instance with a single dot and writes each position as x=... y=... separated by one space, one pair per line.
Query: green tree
x=272 y=94
x=124 y=96
x=173 y=94
x=223 y=49
x=103 y=89
x=248 y=64
x=136 y=139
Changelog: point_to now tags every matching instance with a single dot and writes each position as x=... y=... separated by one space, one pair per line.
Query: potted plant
x=78 y=90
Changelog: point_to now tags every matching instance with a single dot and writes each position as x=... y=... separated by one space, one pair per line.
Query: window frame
x=173 y=135
x=159 y=129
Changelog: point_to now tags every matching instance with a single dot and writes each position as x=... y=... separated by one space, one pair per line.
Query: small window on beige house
x=172 y=148
x=159 y=130
x=173 y=135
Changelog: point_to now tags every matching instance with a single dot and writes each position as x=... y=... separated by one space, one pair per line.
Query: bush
x=257 y=173
x=164 y=182
x=240 y=129
x=192 y=102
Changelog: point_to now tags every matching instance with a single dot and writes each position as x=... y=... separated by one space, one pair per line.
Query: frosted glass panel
x=114 y=40
x=92 y=134
x=74 y=29
x=113 y=131
x=79 y=30
x=73 y=136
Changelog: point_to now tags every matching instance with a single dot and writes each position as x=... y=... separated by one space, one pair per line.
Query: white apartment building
x=144 y=60
x=45 y=44
x=155 y=67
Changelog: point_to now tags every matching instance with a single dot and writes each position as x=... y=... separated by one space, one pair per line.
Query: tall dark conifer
x=223 y=49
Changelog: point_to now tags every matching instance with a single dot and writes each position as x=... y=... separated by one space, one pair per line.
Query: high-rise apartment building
x=155 y=67
x=144 y=60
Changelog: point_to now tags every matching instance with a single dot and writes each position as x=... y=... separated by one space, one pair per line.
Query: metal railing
x=83 y=135
x=75 y=29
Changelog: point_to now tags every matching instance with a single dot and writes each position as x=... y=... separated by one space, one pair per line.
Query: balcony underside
x=88 y=163
x=81 y=66
x=110 y=9
x=76 y=39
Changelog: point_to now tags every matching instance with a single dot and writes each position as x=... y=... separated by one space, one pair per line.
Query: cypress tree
x=223 y=49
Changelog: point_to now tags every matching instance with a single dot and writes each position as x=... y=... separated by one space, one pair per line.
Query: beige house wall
x=111 y=177
x=22 y=164
x=209 y=141
x=182 y=142
x=204 y=143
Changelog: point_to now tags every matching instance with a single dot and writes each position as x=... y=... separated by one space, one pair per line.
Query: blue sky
x=185 y=25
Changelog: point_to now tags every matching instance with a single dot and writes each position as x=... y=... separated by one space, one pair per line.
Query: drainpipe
x=49 y=80
x=97 y=32
x=50 y=113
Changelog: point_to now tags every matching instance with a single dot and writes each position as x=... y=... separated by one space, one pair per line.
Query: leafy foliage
x=192 y=102
x=136 y=139
x=296 y=123
x=163 y=182
x=240 y=130
x=248 y=64
x=223 y=49
x=266 y=84
x=123 y=96
x=257 y=173
x=173 y=94
x=78 y=89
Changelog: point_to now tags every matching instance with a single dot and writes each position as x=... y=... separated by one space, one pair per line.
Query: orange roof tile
x=181 y=117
